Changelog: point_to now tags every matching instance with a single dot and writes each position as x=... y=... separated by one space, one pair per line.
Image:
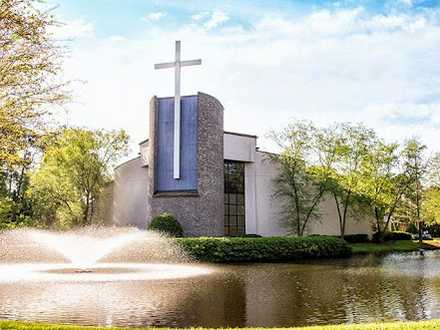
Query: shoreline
x=393 y=246
x=402 y=325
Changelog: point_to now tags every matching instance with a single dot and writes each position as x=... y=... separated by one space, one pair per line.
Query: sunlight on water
x=105 y=272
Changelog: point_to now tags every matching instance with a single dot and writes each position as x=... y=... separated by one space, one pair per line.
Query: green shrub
x=166 y=223
x=251 y=236
x=393 y=236
x=357 y=238
x=265 y=249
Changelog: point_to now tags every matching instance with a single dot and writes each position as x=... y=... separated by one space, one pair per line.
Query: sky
x=268 y=62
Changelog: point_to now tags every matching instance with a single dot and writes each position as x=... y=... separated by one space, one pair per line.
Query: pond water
x=360 y=289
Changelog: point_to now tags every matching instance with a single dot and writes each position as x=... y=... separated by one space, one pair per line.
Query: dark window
x=234 y=199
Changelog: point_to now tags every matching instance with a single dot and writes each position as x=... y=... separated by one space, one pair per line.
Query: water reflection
x=394 y=287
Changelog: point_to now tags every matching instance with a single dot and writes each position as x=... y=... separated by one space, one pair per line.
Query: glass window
x=234 y=199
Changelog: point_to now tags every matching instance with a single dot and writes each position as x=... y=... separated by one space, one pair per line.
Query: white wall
x=268 y=209
x=239 y=147
x=130 y=194
x=143 y=151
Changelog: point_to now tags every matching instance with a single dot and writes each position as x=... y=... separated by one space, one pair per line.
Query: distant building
x=225 y=184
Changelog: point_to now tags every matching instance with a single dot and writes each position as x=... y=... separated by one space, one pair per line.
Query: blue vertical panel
x=165 y=145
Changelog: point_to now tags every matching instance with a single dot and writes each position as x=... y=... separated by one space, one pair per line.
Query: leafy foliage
x=354 y=141
x=393 y=236
x=30 y=62
x=306 y=167
x=357 y=238
x=265 y=249
x=317 y=161
x=361 y=172
x=431 y=196
x=166 y=223
x=76 y=167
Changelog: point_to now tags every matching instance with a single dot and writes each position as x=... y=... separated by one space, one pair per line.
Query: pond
x=360 y=289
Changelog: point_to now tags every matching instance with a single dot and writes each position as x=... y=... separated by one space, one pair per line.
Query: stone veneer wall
x=202 y=213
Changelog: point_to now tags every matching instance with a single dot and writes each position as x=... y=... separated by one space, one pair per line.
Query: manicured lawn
x=425 y=325
x=395 y=246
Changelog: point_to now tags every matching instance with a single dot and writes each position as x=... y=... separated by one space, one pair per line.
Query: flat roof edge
x=241 y=134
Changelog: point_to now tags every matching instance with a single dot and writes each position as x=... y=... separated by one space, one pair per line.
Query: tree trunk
x=380 y=234
x=339 y=213
x=86 y=211
x=420 y=232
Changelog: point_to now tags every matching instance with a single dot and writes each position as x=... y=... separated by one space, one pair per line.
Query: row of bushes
x=393 y=236
x=389 y=236
x=236 y=249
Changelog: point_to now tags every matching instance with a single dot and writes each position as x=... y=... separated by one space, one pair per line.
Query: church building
x=215 y=182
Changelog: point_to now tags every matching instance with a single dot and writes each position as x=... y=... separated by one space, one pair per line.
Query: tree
x=355 y=143
x=30 y=62
x=305 y=163
x=416 y=166
x=431 y=206
x=291 y=185
x=76 y=167
x=431 y=200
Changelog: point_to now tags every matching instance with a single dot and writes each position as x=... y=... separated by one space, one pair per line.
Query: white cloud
x=74 y=29
x=342 y=65
x=217 y=18
x=117 y=38
x=154 y=16
x=407 y=3
x=199 y=16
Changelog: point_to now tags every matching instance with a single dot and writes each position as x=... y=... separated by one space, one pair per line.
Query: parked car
x=425 y=236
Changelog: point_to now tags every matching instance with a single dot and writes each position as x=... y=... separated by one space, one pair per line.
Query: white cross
x=177 y=64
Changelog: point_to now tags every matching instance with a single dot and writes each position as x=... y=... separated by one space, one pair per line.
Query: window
x=234 y=199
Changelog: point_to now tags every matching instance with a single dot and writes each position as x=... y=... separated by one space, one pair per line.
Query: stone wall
x=200 y=213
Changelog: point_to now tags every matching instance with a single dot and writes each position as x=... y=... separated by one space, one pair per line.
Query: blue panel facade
x=165 y=145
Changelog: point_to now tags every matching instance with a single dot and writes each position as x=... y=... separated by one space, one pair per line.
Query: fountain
x=92 y=254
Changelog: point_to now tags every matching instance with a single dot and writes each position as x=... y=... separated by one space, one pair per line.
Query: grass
x=425 y=325
x=394 y=246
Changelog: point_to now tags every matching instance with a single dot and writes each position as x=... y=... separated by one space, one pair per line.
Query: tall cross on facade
x=177 y=65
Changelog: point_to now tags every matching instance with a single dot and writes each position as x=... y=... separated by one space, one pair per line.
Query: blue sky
x=268 y=62
x=122 y=17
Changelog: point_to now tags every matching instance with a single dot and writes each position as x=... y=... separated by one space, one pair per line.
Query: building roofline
x=241 y=134
x=266 y=152
x=172 y=97
x=127 y=161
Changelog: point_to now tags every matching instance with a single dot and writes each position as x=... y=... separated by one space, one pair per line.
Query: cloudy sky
x=268 y=62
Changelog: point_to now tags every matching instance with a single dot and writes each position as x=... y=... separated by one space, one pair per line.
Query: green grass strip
x=425 y=325
x=393 y=246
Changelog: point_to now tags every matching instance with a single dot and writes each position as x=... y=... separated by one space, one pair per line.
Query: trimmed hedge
x=265 y=249
x=357 y=238
x=166 y=223
x=394 y=236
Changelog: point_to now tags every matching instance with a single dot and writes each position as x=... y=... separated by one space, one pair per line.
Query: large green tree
x=76 y=167
x=30 y=62
x=431 y=198
x=306 y=165
x=355 y=144
x=416 y=166
x=384 y=181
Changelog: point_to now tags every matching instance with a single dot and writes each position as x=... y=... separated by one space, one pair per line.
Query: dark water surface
x=361 y=289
